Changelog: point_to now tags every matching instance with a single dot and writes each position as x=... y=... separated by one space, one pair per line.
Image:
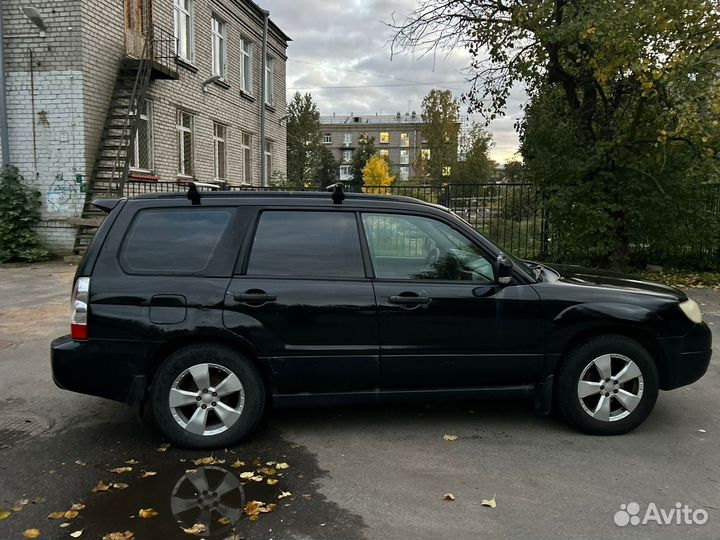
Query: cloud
x=341 y=54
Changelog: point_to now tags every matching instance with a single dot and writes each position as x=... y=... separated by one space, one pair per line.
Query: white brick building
x=60 y=86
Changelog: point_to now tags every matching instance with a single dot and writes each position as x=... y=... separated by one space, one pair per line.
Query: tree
x=376 y=175
x=328 y=168
x=624 y=105
x=476 y=167
x=19 y=213
x=304 y=141
x=361 y=155
x=441 y=128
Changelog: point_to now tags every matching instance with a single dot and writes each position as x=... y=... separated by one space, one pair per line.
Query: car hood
x=578 y=275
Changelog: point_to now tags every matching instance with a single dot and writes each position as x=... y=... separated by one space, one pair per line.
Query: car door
x=304 y=300
x=444 y=322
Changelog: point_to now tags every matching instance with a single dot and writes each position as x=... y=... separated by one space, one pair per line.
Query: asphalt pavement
x=352 y=472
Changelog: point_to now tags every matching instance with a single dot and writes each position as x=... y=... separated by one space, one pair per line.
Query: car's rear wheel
x=607 y=385
x=207 y=396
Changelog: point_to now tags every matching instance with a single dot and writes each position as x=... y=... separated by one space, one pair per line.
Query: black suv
x=208 y=310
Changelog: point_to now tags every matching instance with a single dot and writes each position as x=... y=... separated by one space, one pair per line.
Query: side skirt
x=399 y=396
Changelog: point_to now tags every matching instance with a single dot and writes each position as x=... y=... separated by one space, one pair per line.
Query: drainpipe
x=263 y=160
x=4 y=136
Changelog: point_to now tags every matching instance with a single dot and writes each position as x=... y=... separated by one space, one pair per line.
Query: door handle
x=255 y=297
x=408 y=300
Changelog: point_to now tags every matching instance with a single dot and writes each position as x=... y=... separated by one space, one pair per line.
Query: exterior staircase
x=112 y=163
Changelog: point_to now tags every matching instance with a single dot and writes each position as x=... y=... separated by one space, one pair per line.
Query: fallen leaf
x=224 y=520
x=450 y=437
x=295 y=445
x=284 y=494
x=702 y=430
x=57 y=515
x=66 y=524
x=31 y=533
x=210 y=460
x=76 y=534
x=269 y=508
x=101 y=486
x=127 y=535
x=120 y=485
x=257 y=478
x=146 y=474
x=272 y=481
x=120 y=470
x=132 y=462
x=70 y=514
x=147 y=513
x=234 y=537
x=253 y=507
x=163 y=447
x=267 y=471
x=77 y=507
x=270 y=463
x=238 y=464
x=449 y=497
x=489 y=502
x=190 y=471
x=281 y=466
x=4 y=514
x=81 y=463
x=195 y=529
x=307 y=497
x=247 y=474
x=22 y=503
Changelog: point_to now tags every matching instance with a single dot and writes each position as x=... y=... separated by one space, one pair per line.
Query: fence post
x=544 y=229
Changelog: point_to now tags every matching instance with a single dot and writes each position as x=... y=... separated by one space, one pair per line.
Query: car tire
x=607 y=385
x=207 y=396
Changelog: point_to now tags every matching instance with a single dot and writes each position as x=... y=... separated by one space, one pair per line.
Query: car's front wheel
x=607 y=386
x=207 y=396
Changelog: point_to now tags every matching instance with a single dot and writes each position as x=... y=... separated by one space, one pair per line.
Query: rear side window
x=177 y=241
x=306 y=244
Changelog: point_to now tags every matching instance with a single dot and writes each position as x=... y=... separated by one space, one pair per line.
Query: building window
x=327 y=138
x=347 y=139
x=269 y=86
x=246 y=66
x=404 y=140
x=184 y=126
x=446 y=171
x=268 y=160
x=384 y=137
x=219 y=49
x=345 y=172
x=246 y=158
x=425 y=153
x=347 y=155
x=184 y=28
x=404 y=174
x=220 y=147
x=384 y=153
x=141 y=151
x=404 y=157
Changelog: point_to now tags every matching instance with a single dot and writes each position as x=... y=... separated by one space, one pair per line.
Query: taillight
x=79 y=308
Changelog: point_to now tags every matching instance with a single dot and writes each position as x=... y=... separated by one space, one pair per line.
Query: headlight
x=692 y=311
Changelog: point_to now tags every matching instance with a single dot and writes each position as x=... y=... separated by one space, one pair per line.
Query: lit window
x=327 y=138
x=404 y=140
x=268 y=160
x=269 y=84
x=384 y=138
x=347 y=155
x=404 y=174
x=219 y=52
x=246 y=158
x=246 y=66
x=347 y=139
x=425 y=153
x=141 y=151
x=184 y=28
x=220 y=147
x=384 y=153
x=446 y=171
x=184 y=127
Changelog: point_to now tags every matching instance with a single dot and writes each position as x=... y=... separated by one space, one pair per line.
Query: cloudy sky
x=340 y=54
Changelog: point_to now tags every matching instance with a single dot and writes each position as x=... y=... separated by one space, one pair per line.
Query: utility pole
x=263 y=90
x=4 y=135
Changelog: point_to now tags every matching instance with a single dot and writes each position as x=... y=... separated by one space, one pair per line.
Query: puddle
x=184 y=495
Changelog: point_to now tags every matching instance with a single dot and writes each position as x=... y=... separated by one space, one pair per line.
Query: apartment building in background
x=162 y=90
x=397 y=137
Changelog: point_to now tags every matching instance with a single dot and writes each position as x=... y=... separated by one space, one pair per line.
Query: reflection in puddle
x=211 y=495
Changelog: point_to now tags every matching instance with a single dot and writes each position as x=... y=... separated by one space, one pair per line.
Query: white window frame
x=246 y=162
x=404 y=140
x=347 y=155
x=184 y=33
x=404 y=157
x=217 y=141
x=246 y=66
x=404 y=173
x=147 y=117
x=345 y=172
x=181 y=147
x=327 y=138
x=218 y=32
x=347 y=139
x=268 y=156
x=269 y=96
x=384 y=152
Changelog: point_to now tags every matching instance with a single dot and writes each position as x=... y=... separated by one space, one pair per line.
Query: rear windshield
x=170 y=240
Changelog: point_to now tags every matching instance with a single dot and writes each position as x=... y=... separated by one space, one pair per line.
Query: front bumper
x=112 y=369
x=688 y=357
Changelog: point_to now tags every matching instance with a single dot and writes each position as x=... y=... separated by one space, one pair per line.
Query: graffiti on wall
x=61 y=193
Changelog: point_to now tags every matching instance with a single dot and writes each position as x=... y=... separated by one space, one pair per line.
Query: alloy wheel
x=610 y=387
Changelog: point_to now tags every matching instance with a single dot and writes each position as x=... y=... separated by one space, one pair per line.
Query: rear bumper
x=105 y=368
x=688 y=357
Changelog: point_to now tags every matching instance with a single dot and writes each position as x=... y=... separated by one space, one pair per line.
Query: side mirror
x=504 y=270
